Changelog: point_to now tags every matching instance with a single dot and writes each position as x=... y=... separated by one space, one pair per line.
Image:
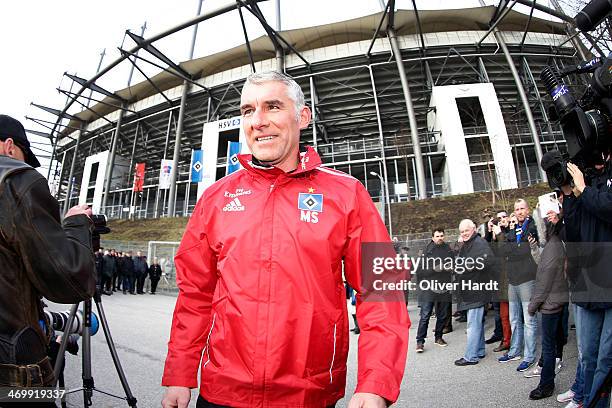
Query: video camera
x=586 y=122
x=100 y=228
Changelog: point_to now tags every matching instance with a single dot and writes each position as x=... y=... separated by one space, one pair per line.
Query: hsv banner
x=233 y=150
x=196 y=166
x=164 y=174
x=139 y=174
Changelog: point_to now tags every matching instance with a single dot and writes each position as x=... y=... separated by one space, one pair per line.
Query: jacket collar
x=308 y=161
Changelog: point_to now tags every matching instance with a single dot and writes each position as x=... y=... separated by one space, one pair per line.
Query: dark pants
x=448 y=306
x=560 y=336
x=499 y=329
x=427 y=306
x=106 y=283
x=141 y=280
x=202 y=403
x=154 y=283
x=128 y=283
x=117 y=281
x=550 y=334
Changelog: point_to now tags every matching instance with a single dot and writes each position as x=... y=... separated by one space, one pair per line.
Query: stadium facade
x=470 y=116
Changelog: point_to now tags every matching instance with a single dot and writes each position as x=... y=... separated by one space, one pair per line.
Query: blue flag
x=233 y=150
x=196 y=166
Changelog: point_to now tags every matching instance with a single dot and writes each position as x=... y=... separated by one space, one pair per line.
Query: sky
x=41 y=39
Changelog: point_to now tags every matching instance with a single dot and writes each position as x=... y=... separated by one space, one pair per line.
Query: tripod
x=88 y=381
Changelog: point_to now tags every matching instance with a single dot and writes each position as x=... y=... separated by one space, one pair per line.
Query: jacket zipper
x=331 y=366
x=207 y=348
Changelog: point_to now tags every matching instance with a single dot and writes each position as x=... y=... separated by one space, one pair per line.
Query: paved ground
x=140 y=327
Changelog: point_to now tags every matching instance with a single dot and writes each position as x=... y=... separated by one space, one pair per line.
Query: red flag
x=139 y=174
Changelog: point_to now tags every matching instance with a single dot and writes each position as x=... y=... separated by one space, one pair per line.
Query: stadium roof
x=303 y=39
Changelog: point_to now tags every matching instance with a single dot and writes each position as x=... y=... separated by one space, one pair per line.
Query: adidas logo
x=234 y=205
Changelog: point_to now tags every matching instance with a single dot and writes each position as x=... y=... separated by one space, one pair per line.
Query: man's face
x=502 y=218
x=270 y=124
x=466 y=232
x=438 y=237
x=521 y=210
x=10 y=149
x=139 y=254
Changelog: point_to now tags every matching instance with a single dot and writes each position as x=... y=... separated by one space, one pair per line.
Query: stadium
x=413 y=103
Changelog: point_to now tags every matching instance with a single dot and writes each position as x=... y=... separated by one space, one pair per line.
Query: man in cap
x=40 y=256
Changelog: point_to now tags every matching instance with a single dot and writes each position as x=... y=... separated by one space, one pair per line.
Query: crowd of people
x=526 y=256
x=120 y=271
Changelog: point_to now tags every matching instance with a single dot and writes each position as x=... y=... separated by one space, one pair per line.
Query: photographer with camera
x=40 y=256
x=588 y=218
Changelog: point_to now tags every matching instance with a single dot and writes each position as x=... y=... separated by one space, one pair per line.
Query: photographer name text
x=435 y=285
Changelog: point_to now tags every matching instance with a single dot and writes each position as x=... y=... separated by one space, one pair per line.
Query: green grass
x=408 y=217
x=447 y=212
x=152 y=229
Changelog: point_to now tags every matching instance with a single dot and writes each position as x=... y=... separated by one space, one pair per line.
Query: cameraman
x=588 y=219
x=40 y=256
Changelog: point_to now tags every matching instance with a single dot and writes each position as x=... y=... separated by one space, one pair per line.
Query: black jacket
x=519 y=263
x=127 y=266
x=155 y=272
x=474 y=248
x=109 y=266
x=432 y=269
x=588 y=228
x=39 y=256
x=140 y=265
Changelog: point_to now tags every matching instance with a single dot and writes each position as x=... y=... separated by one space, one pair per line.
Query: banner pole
x=186 y=206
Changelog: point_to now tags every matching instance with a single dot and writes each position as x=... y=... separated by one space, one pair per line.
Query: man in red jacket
x=261 y=308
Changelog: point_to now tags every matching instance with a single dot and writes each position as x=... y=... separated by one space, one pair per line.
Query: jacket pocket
x=324 y=353
x=331 y=364
x=207 y=348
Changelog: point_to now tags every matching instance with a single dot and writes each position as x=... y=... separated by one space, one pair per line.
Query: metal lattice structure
x=367 y=120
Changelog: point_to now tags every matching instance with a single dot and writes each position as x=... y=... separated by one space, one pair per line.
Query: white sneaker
x=573 y=404
x=566 y=396
x=534 y=372
x=558 y=366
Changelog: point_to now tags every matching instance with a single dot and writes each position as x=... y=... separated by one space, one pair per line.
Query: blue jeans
x=475 y=348
x=524 y=326
x=578 y=385
x=596 y=344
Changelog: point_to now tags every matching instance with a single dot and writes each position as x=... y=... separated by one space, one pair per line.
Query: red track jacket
x=262 y=305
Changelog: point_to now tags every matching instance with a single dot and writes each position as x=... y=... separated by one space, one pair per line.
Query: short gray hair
x=467 y=223
x=294 y=91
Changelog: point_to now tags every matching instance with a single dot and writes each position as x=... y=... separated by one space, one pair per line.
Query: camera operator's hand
x=176 y=397
x=79 y=209
x=577 y=176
